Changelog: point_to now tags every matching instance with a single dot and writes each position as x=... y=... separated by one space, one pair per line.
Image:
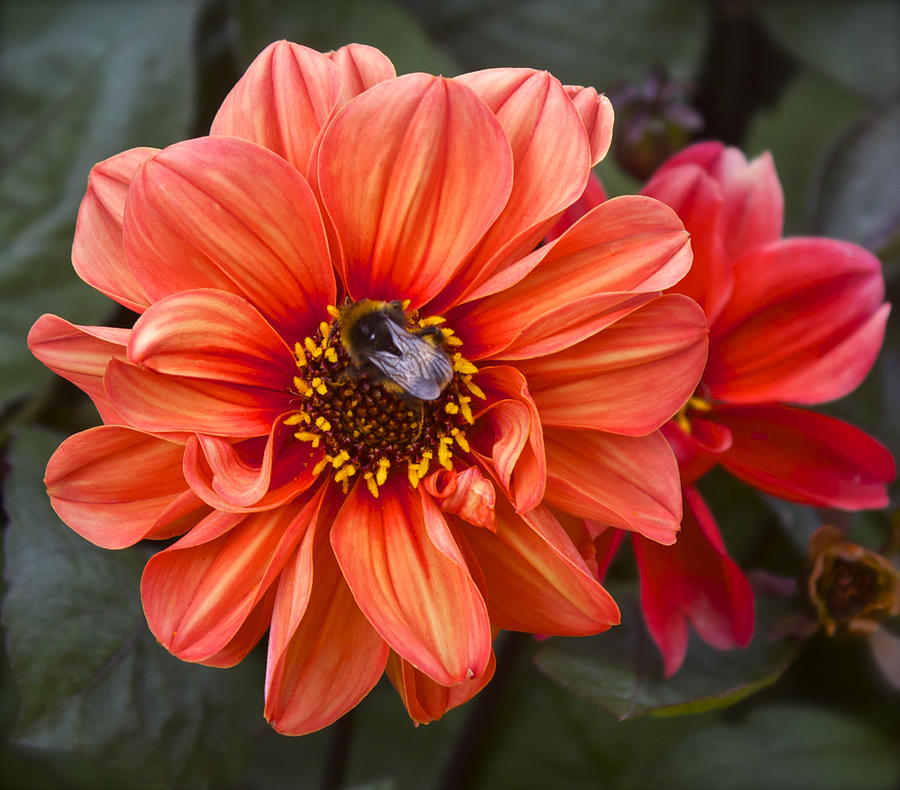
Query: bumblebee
x=377 y=338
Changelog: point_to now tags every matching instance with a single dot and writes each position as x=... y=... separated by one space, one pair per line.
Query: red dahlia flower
x=343 y=236
x=791 y=321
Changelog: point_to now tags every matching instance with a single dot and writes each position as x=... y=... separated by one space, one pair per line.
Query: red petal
x=594 y=194
x=631 y=377
x=219 y=212
x=507 y=437
x=693 y=580
x=212 y=335
x=412 y=172
x=79 y=354
x=114 y=485
x=627 y=481
x=409 y=578
x=596 y=112
x=198 y=593
x=158 y=403
x=282 y=101
x=97 y=252
x=361 y=67
x=696 y=451
x=247 y=636
x=806 y=457
x=324 y=656
x=805 y=323
x=628 y=244
x=536 y=581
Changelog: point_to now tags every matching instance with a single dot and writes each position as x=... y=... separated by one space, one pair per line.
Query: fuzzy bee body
x=377 y=338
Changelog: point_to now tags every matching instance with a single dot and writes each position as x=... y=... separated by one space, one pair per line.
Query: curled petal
x=80 y=354
x=360 y=67
x=282 y=101
x=624 y=246
x=324 y=655
x=806 y=457
x=695 y=580
x=507 y=437
x=412 y=172
x=696 y=451
x=198 y=593
x=631 y=377
x=411 y=581
x=427 y=701
x=535 y=579
x=115 y=486
x=247 y=636
x=224 y=213
x=626 y=481
x=98 y=255
x=468 y=494
x=805 y=323
x=596 y=112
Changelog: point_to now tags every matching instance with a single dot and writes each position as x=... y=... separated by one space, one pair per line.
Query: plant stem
x=334 y=775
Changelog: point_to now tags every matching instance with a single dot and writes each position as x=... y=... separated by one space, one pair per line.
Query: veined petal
x=631 y=377
x=157 y=403
x=624 y=246
x=805 y=323
x=219 y=212
x=468 y=494
x=282 y=101
x=412 y=173
x=409 y=578
x=552 y=160
x=535 y=579
x=806 y=457
x=507 y=437
x=596 y=112
x=427 y=701
x=324 y=655
x=594 y=194
x=98 y=255
x=360 y=67
x=694 y=580
x=113 y=485
x=79 y=354
x=213 y=335
x=198 y=592
x=247 y=636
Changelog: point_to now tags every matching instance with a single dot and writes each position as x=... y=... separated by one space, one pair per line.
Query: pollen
x=363 y=424
x=697 y=404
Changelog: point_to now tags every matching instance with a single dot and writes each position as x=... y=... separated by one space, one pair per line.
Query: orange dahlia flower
x=356 y=391
x=792 y=321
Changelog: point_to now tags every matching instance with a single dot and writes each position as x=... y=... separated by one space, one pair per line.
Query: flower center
x=382 y=391
x=697 y=404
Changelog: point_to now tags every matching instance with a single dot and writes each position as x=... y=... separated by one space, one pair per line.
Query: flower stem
x=334 y=775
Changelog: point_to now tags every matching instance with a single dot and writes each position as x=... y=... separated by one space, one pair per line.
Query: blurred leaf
x=91 y=676
x=593 y=42
x=621 y=672
x=80 y=82
x=776 y=747
x=324 y=26
x=809 y=117
x=854 y=42
x=859 y=193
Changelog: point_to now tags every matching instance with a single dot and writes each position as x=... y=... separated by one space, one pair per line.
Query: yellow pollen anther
x=331 y=355
x=371 y=484
x=306 y=436
x=432 y=320
x=462 y=365
x=324 y=329
x=404 y=305
x=294 y=419
x=451 y=408
x=300 y=355
x=333 y=311
x=340 y=459
x=698 y=404
x=445 y=454
x=466 y=411
x=319 y=386
x=451 y=340
x=345 y=472
x=322 y=424
x=300 y=385
x=461 y=440
x=317 y=469
x=381 y=475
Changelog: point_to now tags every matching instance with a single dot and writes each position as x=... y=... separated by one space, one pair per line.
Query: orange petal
x=282 y=101
x=535 y=578
x=324 y=656
x=199 y=592
x=219 y=212
x=427 y=701
x=158 y=403
x=412 y=172
x=79 y=354
x=247 y=636
x=596 y=112
x=112 y=485
x=361 y=67
x=468 y=494
x=507 y=437
x=625 y=245
x=212 y=335
x=628 y=481
x=631 y=377
x=97 y=252
x=551 y=156
x=409 y=578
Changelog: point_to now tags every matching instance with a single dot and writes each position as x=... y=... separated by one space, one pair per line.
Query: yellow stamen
x=474 y=388
x=333 y=311
x=322 y=424
x=381 y=475
x=371 y=484
x=306 y=436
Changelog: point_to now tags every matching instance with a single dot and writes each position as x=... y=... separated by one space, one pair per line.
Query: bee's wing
x=420 y=368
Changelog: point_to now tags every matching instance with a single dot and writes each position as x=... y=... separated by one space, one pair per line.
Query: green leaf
x=856 y=43
x=80 y=82
x=91 y=676
x=324 y=26
x=621 y=671
x=586 y=42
